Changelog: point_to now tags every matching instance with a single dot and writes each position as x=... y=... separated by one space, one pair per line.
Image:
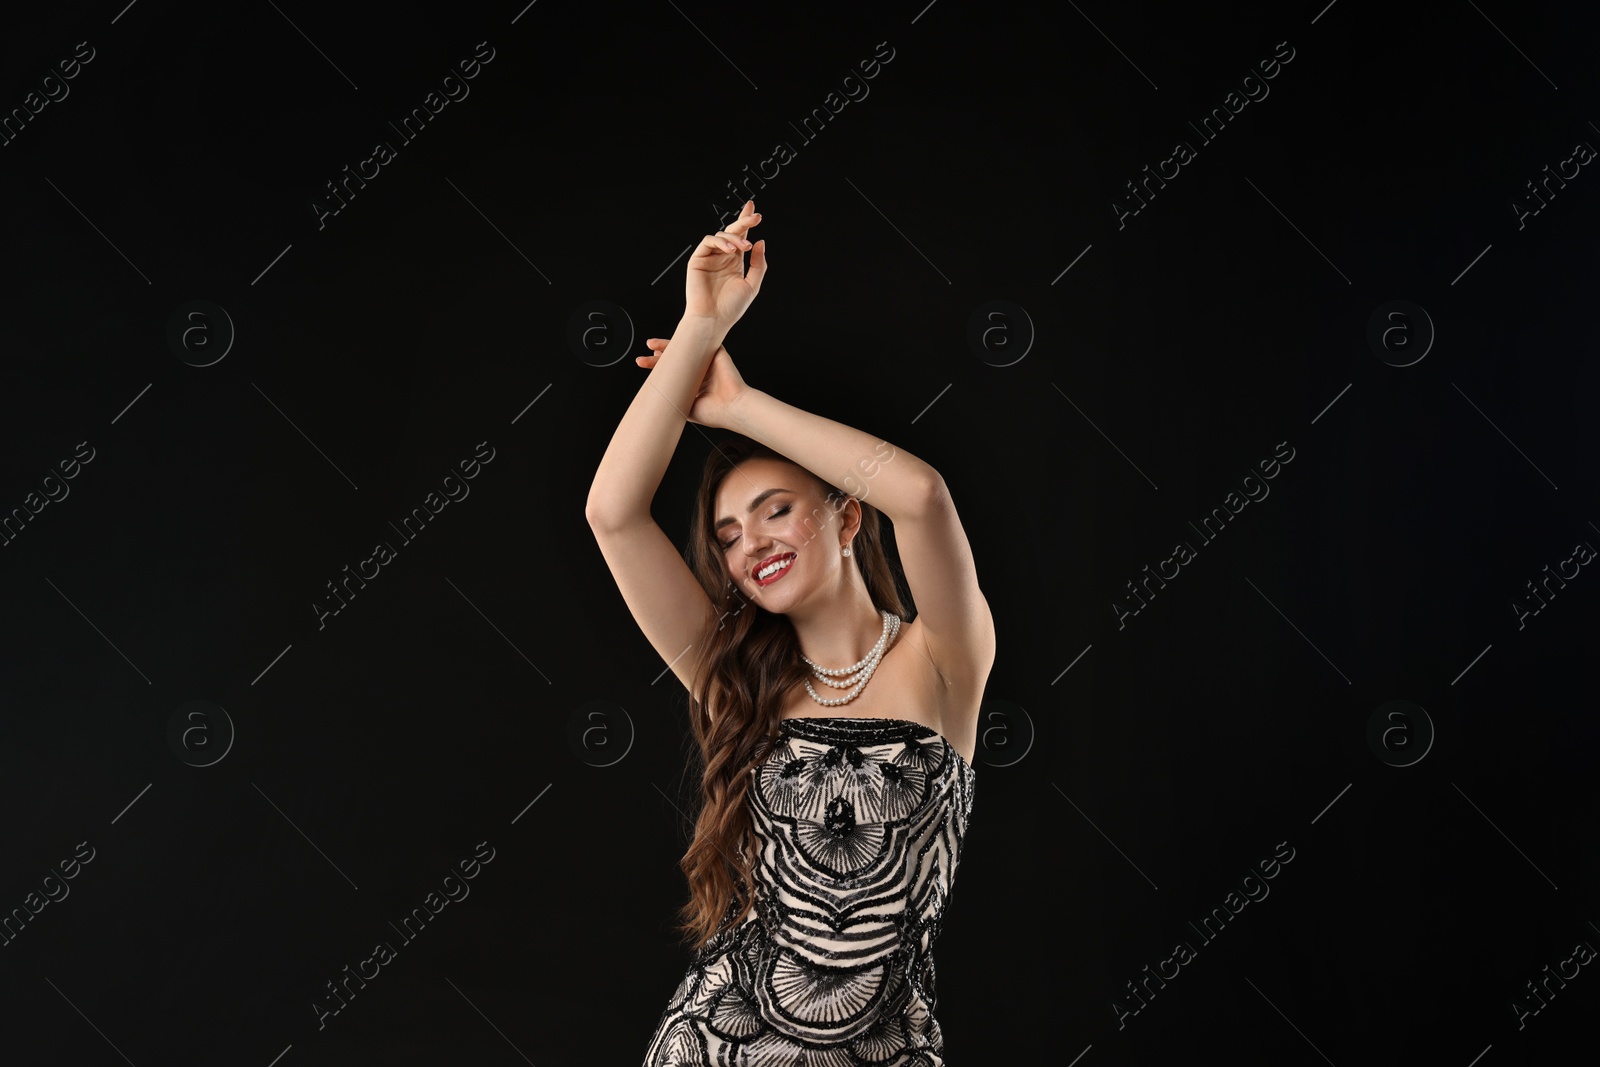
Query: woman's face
x=769 y=512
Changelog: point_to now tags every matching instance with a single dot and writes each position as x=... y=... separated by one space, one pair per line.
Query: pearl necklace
x=862 y=669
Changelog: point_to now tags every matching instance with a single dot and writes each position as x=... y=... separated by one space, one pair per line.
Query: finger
x=741 y=220
x=758 y=266
x=750 y=217
x=713 y=244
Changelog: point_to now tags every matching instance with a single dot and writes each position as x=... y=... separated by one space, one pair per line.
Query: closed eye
x=781 y=511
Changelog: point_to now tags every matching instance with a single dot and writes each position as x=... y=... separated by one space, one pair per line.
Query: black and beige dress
x=861 y=822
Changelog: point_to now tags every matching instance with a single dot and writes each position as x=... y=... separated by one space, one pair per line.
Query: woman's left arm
x=900 y=485
x=933 y=547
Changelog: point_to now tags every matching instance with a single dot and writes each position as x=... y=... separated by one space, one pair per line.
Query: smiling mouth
x=783 y=563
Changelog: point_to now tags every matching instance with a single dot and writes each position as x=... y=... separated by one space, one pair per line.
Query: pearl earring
x=846 y=550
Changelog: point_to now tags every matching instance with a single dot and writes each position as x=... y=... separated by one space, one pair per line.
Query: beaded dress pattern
x=861 y=823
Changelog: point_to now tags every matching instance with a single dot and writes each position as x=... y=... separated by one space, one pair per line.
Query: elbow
x=932 y=492
x=602 y=516
x=596 y=509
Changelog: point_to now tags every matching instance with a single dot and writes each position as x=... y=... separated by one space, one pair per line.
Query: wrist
x=706 y=321
x=740 y=411
x=701 y=330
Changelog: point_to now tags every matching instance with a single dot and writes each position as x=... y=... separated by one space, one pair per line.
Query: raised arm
x=634 y=463
x=717 y=292
x=899 y=484
x=933 y=547
x=934 y=552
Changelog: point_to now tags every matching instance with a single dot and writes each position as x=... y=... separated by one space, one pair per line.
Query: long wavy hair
x=747 y=660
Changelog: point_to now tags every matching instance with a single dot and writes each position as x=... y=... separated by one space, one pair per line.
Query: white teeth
x=767 y=572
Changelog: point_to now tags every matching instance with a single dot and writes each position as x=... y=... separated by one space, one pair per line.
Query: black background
x=372 y=354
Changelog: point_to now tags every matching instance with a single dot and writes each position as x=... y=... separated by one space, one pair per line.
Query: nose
x=756 y=551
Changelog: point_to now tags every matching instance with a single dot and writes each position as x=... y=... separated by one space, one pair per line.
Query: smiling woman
x=825 y=846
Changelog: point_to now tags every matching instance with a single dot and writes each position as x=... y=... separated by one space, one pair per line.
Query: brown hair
x=747 y=661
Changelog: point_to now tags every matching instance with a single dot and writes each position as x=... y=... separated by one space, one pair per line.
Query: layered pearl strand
x=857 y=673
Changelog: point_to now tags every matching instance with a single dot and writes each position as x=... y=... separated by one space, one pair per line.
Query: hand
x=717 y=286
x=721 y=387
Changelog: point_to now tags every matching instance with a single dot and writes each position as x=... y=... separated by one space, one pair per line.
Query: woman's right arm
x=636 y=460
x=717 y=291
x=662 y=593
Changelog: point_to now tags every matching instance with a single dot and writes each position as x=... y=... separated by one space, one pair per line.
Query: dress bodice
x=860 y=823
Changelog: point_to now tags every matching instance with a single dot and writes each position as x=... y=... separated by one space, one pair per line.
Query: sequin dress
x=861 y=823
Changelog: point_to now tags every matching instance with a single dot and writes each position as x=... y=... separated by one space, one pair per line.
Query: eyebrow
x=756 y=503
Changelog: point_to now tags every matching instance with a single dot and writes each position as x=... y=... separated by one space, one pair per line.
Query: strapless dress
x=861 y=822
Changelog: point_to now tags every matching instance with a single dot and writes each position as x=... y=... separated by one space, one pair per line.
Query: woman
x=826 y=843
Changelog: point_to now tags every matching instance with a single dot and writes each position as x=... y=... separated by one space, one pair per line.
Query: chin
x=766 y=590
